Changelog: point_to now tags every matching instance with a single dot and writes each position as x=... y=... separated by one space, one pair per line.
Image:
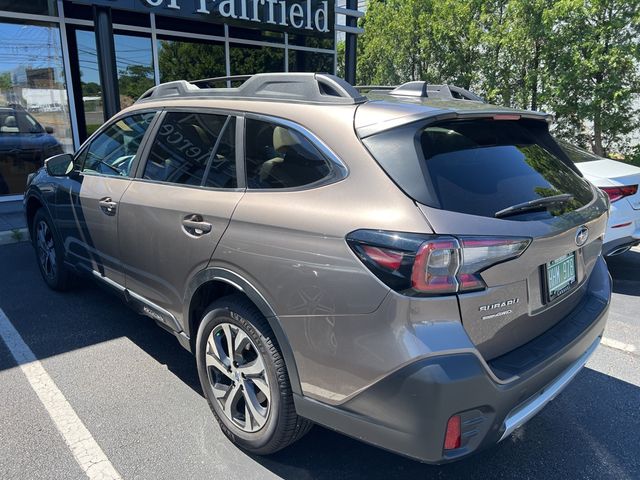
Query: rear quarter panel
x=292 y=243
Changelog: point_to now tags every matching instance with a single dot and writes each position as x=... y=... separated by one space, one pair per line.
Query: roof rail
x=292 y=87
x=424 y=90
x=209 y=82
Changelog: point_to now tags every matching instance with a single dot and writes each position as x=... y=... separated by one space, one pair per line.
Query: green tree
x=5 y=80
x=514 y=42
x=134 y=80
x=247 y=60
x=385 y=54
x=593 y=61
x=90 y=89
x=190 y=61
x=578 y=59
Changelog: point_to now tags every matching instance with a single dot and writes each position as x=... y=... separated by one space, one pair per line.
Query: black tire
x=58 y=278
x=283 y=426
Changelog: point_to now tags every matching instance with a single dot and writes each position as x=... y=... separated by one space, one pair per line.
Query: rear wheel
x=244 y=377
x=49 y=252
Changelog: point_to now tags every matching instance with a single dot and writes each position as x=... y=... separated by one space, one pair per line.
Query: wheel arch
x=213 y=283
x=33 y=203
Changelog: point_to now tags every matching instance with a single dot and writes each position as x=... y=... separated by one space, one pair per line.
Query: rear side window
x=479 y=167
x=279 y=157
x=194 y=149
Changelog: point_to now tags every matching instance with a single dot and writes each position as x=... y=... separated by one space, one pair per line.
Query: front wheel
x=49 y=252
x=244 y=377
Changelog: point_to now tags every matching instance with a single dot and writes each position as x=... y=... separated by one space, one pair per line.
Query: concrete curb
x=14 y=236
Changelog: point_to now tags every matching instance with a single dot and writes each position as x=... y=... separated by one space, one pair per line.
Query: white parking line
x=625 y=347
x=86 y=451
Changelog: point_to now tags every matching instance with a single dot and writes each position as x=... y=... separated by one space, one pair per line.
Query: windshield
x=481 y=167
x=14 y=121
x=576 y=154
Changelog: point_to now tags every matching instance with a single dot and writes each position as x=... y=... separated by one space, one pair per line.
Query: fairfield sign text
x=311 y=17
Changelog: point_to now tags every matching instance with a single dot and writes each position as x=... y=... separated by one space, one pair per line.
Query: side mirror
x=59 y=165
x=49 y=129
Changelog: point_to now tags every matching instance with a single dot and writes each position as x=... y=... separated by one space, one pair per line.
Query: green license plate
x=561 y=275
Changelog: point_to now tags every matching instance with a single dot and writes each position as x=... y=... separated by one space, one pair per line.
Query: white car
x=620 y=182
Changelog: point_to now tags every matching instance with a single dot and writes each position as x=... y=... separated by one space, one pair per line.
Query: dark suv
x=419 y=271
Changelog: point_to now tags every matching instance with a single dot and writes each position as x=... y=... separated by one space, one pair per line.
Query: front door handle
x=108 y=206
x=194 y=225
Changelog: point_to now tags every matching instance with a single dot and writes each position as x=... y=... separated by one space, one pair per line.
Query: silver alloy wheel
x=46 y=249
x=238 y=378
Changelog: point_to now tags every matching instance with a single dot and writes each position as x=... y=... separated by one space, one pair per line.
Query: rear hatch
x=495 y=182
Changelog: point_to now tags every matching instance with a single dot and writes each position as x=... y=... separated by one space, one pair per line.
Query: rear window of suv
x=479 y=167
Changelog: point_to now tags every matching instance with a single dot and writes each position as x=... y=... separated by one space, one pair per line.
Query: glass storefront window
x=134 y=62
x=90 y=84
x=38 y=7
x=310 y=41
x=250 y=59
x=256 y=34
x=303 y=61
x=34 y=110
x=183 y=60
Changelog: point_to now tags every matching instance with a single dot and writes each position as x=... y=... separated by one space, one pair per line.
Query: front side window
x=113 y=151
x=279 y=157
x=194 y=149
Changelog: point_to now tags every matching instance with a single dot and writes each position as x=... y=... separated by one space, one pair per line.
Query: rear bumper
x=623 y=227
x=524 y=412
x=407 y=411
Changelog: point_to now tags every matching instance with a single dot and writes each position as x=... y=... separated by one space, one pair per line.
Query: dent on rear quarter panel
x=291 y=246
x=292 y=243
x=340 y=355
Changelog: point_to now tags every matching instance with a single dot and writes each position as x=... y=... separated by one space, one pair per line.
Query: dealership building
x=68 y=65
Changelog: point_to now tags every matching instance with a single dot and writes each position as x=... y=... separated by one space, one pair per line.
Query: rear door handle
x=108 y=206
x=194 y=225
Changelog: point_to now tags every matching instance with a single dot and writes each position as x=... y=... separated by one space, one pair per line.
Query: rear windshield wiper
x=537 y=204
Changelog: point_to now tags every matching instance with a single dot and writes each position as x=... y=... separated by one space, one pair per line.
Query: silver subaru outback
x=413 y=268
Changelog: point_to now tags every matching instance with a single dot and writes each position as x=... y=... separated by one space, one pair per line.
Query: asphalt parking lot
x=136 y=391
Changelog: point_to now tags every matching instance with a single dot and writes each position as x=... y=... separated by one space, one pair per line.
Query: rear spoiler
x=429 y=117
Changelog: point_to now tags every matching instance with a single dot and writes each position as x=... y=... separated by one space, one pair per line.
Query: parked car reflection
x=24 y=145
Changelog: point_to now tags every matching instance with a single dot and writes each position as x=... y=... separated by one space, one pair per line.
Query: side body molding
x=243 y=285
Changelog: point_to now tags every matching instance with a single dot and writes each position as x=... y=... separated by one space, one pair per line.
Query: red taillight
x=622 y=225
x=616 y=193
x=417 y=264
x=453 y=437
x=385 y=258
x=435 y=267
x=449 y=265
